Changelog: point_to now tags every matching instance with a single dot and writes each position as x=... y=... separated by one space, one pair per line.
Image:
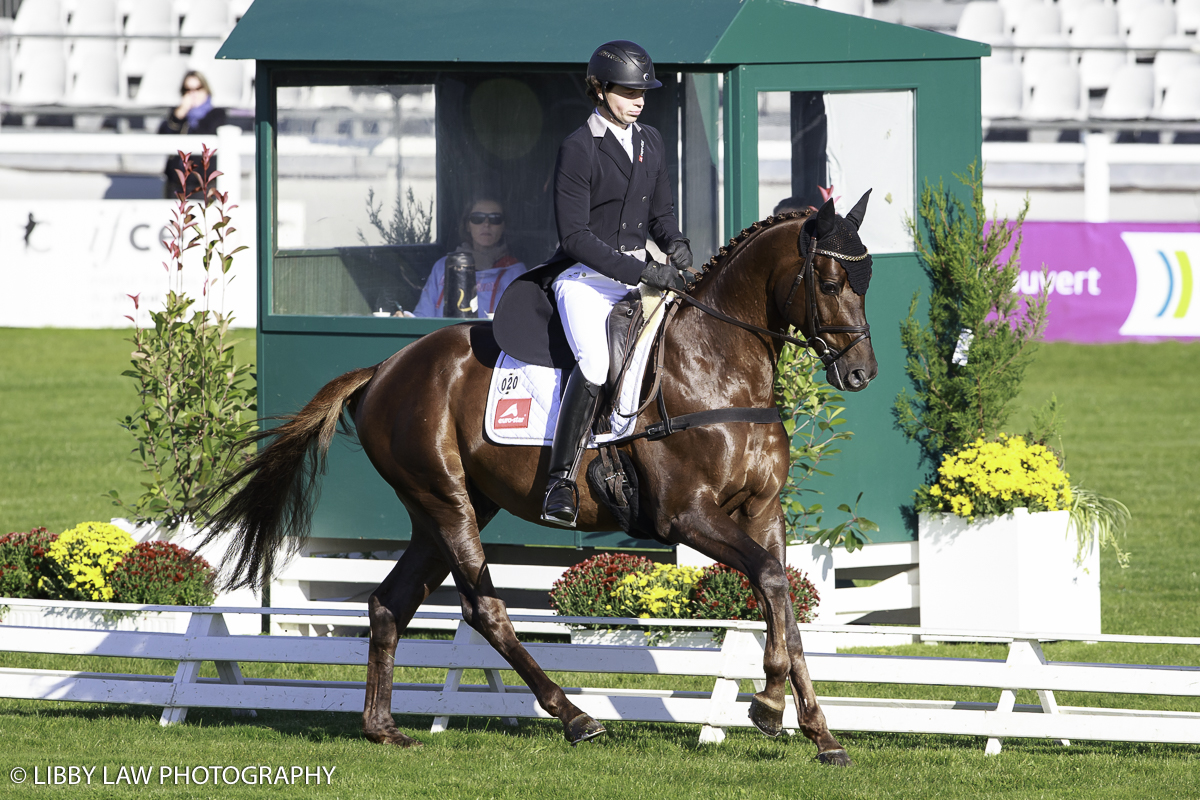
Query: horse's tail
x=274 y=505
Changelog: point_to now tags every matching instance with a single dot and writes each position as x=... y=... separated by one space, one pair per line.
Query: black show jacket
x=604 y=207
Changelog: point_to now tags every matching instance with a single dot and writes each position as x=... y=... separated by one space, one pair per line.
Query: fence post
x=200 y=626
x=1023 y=651
x=465 y=634
x=1095 y=176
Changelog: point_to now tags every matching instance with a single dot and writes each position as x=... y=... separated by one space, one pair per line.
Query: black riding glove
x=661 y=276
x=681 y=254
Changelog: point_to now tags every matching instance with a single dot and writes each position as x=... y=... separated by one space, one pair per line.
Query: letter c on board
x=133 y=236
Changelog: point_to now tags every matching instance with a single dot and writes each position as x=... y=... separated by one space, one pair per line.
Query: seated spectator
x=195 y=114
x=482 y=229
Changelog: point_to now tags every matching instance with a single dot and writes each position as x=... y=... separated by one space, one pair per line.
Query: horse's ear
x=855 y=217
x=826 y=220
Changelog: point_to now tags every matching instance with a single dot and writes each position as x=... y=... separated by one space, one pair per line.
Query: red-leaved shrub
x=161 y=573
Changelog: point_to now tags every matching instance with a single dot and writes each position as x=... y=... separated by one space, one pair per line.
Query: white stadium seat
x=147 y=18
x=206 y=18
x=1131 y=95
x=1096 y=25
x=1182 y=98
x=1097 y=68
x=39 y=72
x=39 y=16
x=1054 y=94
x=160 y=86
x=854 y=7
x=1036 y=23
x=1072 y=10
x=92 y=77
x=1151 y=27
x=1188 y=12
x=95 y=17
x=1129 y=10
x=982 y=21
x=1002 y=90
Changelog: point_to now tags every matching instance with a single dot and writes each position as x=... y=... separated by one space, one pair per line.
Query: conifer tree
x=968 y=360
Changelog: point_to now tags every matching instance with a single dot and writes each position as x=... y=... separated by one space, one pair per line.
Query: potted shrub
x=623 y=585
x=995 y=519
x=997 y=552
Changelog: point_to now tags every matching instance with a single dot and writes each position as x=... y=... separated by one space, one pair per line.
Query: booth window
x=812 y=144
x=374 y=179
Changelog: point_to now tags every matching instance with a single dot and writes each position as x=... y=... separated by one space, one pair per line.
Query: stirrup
x=558 y=521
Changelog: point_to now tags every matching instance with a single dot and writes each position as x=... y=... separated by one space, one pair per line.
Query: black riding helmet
x=623 y=63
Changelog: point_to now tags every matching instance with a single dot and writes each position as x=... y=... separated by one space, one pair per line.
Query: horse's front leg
x=710 y=530
x=771 y=531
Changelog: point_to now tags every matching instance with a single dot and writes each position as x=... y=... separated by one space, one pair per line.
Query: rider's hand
x=661 y=276
x=681 y=254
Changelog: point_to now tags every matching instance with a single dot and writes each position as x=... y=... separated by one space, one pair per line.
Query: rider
x=611 y=190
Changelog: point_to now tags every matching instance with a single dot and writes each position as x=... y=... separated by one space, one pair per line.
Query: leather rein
x=812 y=336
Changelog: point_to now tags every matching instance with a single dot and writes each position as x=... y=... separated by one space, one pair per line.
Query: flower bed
x=96 y=561
x=623 y=585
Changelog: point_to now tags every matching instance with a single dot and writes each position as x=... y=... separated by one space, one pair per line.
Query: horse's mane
x=722 y=255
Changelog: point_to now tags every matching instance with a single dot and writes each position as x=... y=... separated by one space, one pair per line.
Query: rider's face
x=625 y=103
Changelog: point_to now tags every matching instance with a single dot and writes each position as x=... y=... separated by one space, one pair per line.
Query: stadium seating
x=146 y=18
x=1131 y=95
x=1003 y=90
x=206 y=18
x=164 y=76
x=1188 y=16
x=1181 y=99
x=1151 y=27
x=39 y=72
x=1054 y=94
x=39 y=17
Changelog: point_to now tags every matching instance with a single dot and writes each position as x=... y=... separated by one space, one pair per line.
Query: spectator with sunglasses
x=482 y=229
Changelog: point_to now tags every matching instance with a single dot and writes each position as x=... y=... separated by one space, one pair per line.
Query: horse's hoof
x=766 y=716
x=581 y=729
x=835 y=758
x=392 y=736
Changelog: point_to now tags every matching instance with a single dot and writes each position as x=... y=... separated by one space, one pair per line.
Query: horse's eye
x=828 y=287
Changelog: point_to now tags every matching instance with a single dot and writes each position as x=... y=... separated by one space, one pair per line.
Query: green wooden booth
x=378 y=120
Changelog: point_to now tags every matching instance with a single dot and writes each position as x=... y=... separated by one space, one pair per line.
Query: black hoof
x=766 y=717
x=835 y=758
x=581 y=729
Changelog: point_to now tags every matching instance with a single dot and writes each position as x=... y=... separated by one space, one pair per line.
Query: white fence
x=1096 y=154
x=738 y=659
x=303 y=583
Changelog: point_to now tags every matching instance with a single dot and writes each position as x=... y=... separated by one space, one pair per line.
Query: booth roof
x=675 y=32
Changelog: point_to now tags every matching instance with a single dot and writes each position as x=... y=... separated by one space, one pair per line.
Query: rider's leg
x=585 y=299
x=575 y=411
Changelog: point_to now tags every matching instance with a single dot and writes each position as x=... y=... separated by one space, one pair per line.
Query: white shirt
x=624 y=135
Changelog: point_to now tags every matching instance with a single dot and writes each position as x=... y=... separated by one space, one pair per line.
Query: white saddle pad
x=522 y=403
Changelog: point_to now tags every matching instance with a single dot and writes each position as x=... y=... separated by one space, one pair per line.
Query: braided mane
x=721 y=255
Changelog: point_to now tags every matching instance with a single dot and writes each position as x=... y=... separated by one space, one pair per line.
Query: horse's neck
x=720 y=364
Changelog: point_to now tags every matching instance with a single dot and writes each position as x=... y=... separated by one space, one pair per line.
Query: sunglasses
x=478 y=218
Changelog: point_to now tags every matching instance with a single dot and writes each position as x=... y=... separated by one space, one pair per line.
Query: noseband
x=813 y=328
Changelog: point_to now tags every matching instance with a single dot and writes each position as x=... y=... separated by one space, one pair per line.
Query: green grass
x=1130 y=431
x=61 y=448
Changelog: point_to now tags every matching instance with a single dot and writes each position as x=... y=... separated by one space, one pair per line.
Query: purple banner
x=1114 y=281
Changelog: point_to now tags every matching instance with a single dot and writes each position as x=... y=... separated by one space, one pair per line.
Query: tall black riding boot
x=575 y=411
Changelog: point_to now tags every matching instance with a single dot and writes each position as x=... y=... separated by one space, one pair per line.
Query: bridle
x=813 y=329
x=808 y=275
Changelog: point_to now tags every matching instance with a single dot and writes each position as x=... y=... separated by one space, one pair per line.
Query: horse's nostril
x=857 y=378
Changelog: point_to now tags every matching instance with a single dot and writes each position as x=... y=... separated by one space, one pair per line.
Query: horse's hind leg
x=484 y=611
x=420 y=570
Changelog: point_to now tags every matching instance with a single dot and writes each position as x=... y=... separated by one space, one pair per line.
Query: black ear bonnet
x=837 y=237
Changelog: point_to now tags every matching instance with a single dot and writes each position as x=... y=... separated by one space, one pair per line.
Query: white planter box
x=89 y=619
x=1012 y=573
x=638 y=638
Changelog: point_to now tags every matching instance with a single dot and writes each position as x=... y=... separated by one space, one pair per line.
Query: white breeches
x=585 y=299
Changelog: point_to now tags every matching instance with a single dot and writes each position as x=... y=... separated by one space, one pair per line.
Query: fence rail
x=738 y=659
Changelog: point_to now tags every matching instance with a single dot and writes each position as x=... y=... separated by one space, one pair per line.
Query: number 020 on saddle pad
x=522 y=403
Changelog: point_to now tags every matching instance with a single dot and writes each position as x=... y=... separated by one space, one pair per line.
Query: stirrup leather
x=555 y=485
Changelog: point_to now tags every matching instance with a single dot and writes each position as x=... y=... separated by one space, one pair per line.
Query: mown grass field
x=1130 y=430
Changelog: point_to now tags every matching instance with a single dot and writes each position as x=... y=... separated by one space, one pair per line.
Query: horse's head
x=833 y=279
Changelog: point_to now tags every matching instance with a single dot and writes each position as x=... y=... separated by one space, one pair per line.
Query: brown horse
x=715 y=488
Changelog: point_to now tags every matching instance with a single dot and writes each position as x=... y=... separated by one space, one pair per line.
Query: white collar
x=598 y=124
